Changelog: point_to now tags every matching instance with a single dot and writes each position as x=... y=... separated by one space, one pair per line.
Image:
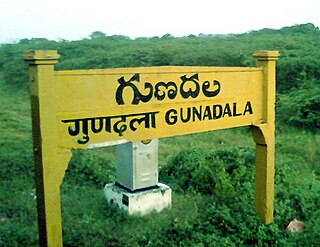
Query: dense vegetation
x=211 y=174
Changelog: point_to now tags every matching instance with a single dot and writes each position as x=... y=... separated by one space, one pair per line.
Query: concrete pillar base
x=139 y=202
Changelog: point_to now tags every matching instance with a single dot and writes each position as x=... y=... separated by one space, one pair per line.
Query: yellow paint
x=91 y=94
x=263 y=135
x=51 y=161
x=85 y=108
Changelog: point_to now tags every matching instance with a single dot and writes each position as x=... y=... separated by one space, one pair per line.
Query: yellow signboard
x=146 y=103
x=94 y=108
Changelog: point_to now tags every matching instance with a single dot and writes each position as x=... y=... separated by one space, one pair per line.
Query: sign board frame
x=92 y=108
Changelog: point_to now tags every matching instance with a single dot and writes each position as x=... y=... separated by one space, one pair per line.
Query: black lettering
x=189 y=87
x=120 y=126
x=205 y=87
x=217 y=111
x=207 y=113
x=235 y=114
x=76 y=130
x=137 y=96
x=190 y=93
x=93 y=125
x=187 y=118
x=248 y=108
x=172 y=92
x=108 y=124
x=148 y=118
x=227 y=110
x=171 y=117
x=196 y=113
x=85 y=138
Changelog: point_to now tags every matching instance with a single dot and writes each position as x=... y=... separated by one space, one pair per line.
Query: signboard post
x=263 y=135
x=94 y=108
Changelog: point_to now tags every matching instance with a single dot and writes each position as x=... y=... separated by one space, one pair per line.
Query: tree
x=98 y=35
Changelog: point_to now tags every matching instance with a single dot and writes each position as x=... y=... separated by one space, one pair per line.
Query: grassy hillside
x=211 y=174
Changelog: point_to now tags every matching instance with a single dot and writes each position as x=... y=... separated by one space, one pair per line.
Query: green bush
x=224 y=178
x=18 y=219
x=301 y=106
x=89 y=168
x=207 y=173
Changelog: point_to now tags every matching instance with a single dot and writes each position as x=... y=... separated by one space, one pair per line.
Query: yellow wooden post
x=263 y=135
x=50 y=160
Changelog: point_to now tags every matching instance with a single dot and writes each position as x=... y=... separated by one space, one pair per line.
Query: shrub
x=301 y=106
x=210 y=173
x=86 y=167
